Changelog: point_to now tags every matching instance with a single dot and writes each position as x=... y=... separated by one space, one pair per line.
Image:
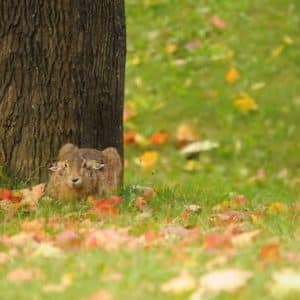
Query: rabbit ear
x=54 y=167
x=98 y=166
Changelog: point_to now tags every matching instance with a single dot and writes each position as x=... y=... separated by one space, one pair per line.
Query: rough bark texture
x=61 y=79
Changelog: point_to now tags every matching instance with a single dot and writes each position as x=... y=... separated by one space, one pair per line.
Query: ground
x=221 y=72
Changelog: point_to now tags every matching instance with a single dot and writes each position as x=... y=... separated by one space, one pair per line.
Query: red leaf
x=240 y=200
x=216 y=241
x=5 y=194
x=107 y=206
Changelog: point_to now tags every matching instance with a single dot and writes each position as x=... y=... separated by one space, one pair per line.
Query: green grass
x=166 y=95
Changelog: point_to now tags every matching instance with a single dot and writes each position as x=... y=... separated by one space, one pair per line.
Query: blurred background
x=212 y=94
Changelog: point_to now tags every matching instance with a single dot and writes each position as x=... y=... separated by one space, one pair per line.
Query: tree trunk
x=61 y=79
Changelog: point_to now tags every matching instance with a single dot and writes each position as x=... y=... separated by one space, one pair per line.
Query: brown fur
x=84 y=163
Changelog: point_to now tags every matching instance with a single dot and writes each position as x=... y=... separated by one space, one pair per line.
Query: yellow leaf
x=277 y=51
x=244 y=103
x=288 y=40
x=148 y=159
x=170 y=48
x=232 y=75
x=277 y=207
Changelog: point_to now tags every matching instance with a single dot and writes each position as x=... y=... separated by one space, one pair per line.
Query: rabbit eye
x=84 y=164
x=65 y=165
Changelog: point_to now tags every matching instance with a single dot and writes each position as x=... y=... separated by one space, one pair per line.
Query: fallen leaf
x=197 y=147
x=232 y=75
x=129 y=138
x=270 y=252
x=20 y=275
x=229 y=280
x=185 y=133
x=218 y=22
x=148 y=159
x=111 y=239
x=170 y=48
x=244 y=103
x=159 y=138
x=179 y=284
x=9 y=195
x=101 y=295
x=216 y=241
x=288 y=40
x=107 y=206
x=277 y=208
x=68 y=238
x=277 y=51
x=240 y=200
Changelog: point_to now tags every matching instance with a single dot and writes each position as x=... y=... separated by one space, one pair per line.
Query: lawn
x=223 y=73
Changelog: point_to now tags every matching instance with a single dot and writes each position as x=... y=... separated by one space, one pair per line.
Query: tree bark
x=61 y=79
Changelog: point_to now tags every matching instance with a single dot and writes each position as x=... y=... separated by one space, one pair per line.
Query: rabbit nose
x=75 y=179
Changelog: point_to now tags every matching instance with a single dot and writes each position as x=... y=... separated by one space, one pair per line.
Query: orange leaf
x=129 y=138
x=232 y=75
x=270 y=252
x=159 y=138
x=216 y=241
x=5 y=194
x=107 y=206
x=240 y=200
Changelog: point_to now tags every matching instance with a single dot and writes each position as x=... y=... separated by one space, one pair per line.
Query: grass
x=261 y=40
